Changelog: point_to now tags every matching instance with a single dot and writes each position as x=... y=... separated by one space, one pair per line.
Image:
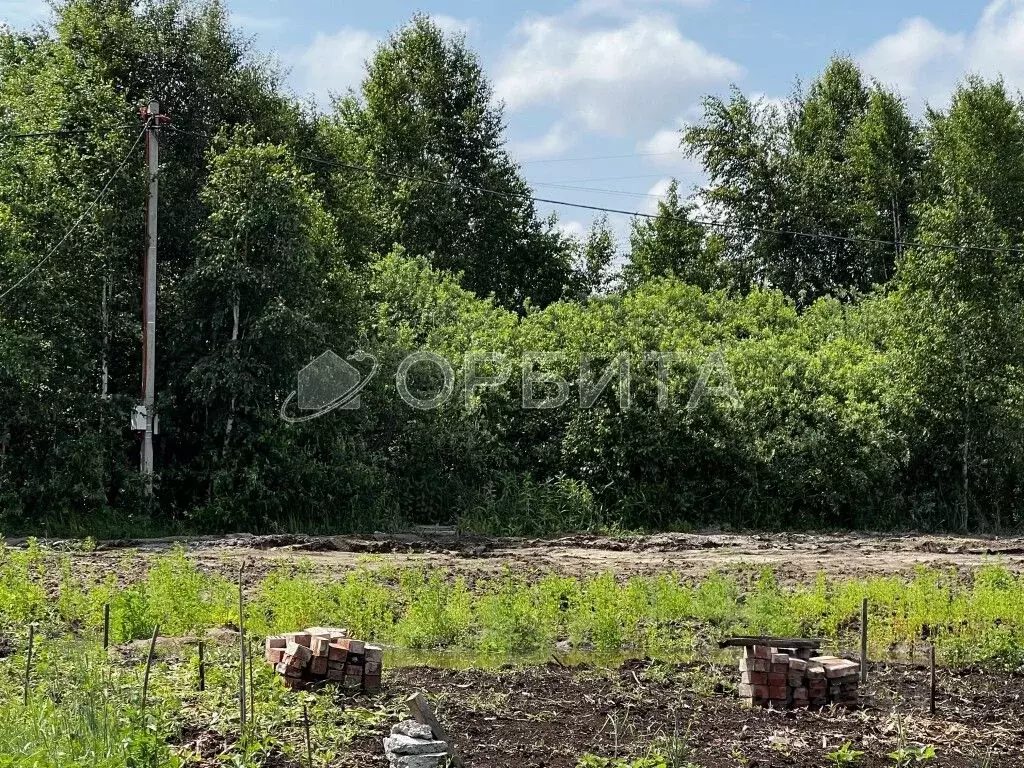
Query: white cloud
x=665 y=151
x=553 y=143
x=22 y=13
x=664 y=142
x=620 y=7
x=764 y=101
x=919 y=60
x=454 y=26
x=574 y=229
x=924 y=62
x=612 y=77
x=655 y=194
x=334 y=63
x=997 y=46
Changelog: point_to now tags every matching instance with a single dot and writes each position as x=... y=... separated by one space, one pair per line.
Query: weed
x=905 y=753
x=974 y=619
x=845 y=755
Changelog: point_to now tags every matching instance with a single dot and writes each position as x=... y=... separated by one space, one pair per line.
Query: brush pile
x=325 y=654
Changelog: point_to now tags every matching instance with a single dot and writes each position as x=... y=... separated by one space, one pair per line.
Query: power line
x=611 y=178
x=598 y=157
x=753 y=229
x=81 y=218
x=723 y=225
x=43 y=134
x=596 y=190
x=60 y=133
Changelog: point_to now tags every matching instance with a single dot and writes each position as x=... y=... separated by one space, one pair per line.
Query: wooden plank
x=422 y=712
x=771 y=642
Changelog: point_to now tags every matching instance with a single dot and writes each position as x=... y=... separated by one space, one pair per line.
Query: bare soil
x=546 y=717
x=795 y=556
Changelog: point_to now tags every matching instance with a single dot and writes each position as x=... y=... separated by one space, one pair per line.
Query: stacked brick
x=842 y=678
x=794 y=679
x=321 y=654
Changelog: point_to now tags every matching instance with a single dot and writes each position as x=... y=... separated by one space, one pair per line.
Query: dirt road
x=793 y=556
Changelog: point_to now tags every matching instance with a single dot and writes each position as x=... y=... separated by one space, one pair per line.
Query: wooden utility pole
x=148 y=409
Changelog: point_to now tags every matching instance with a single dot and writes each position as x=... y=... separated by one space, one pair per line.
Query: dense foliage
x=837 y=314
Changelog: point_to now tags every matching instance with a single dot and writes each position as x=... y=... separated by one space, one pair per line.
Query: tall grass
x=975 y=618
x=79 y=715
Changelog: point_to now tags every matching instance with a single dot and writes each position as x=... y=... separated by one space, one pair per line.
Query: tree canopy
x=829 y=332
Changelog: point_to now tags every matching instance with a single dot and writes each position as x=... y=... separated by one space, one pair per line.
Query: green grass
x=84 y=709
x=972 y=618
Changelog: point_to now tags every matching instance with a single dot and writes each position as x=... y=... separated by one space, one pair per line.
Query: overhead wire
x=752 y=229
x=711 y=224
x=89 y=209
x=595 y=158
x=56 y=133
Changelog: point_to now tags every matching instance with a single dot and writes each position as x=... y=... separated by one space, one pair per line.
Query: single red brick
x=320 y=646
x=371 y=683
x=300 y=652
x=754 y=665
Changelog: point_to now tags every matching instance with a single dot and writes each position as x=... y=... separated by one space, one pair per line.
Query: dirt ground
x=794 y=556
x=546 y=717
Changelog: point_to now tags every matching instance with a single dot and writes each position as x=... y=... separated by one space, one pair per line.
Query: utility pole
x=148 y=408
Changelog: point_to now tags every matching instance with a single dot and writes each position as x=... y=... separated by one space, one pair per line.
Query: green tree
x=595 y=261
x=267 y=292
x=839 y=163
x=442 y=182
x=959 y=348
x=674 y=245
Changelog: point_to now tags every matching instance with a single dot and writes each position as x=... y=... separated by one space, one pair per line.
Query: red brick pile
x=327 y=654
x=794 y=679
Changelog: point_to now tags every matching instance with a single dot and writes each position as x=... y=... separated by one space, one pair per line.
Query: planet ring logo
x=329 y=383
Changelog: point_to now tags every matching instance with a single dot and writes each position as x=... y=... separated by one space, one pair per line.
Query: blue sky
x=596 y=90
